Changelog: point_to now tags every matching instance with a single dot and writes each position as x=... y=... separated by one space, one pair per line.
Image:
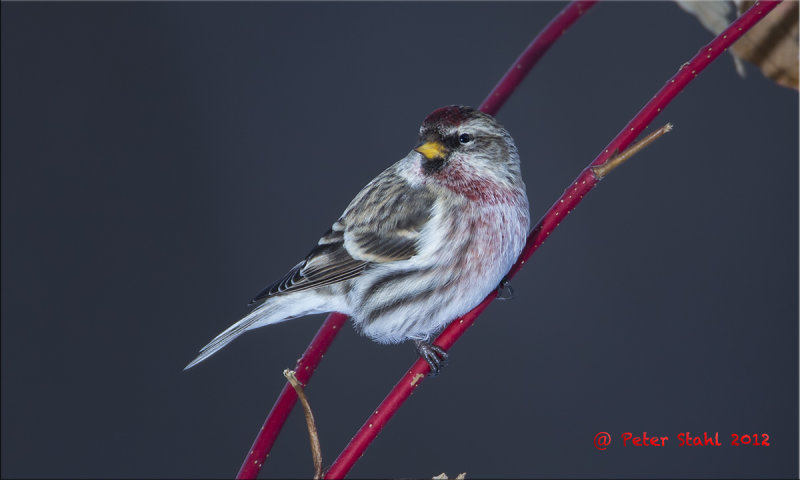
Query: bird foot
x=434 y=355
x=504 y=290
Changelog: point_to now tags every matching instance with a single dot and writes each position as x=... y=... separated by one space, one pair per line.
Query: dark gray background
x=161 y=163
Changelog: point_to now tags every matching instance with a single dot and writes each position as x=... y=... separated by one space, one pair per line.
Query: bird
x=420 y=245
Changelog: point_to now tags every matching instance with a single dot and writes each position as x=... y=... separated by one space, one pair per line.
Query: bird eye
x=465 y=138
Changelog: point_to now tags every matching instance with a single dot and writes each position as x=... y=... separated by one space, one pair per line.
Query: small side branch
x=600 y=171
x=313 y=437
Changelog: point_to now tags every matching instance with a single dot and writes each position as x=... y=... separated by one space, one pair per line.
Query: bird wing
x=382 y=224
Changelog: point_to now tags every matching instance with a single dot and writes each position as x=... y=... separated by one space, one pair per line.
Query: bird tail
x=267 y=313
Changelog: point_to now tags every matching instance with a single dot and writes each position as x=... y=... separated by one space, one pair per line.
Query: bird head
x=465 y=138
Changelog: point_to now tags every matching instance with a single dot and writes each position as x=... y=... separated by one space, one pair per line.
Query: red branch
x=327 y=332
x=571 y=197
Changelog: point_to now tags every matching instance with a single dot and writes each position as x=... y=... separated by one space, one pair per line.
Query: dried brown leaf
x=772 y=44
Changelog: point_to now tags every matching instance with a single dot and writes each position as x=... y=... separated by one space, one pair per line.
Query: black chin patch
x=434 y=165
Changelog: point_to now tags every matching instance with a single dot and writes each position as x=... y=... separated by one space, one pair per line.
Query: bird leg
x=434 y=355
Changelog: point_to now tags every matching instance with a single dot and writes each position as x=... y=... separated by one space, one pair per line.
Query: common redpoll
x=421 y=244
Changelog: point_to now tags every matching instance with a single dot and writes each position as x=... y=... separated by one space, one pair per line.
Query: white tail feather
x=274 y=310
x=265 y=314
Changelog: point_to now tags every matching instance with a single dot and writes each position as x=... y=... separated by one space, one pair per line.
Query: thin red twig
x=532 y=53
x=332 y=325
x=571 y=197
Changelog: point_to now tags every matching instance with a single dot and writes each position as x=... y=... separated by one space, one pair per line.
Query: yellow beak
x=431 y=150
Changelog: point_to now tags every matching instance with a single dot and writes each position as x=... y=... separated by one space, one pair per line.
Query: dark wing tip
x=261 y=296
x=278 y=286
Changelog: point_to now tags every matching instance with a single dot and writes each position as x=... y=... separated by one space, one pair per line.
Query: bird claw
x=505 y=291
x=433 y=354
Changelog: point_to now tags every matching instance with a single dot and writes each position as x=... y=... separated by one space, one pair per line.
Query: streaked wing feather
x=385 y=220
x=327 y=263
x=382 y=224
